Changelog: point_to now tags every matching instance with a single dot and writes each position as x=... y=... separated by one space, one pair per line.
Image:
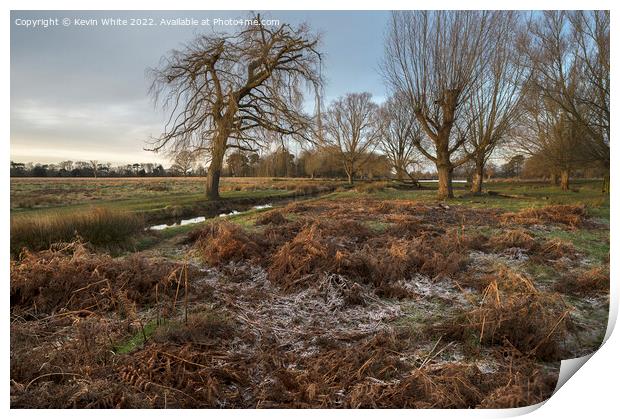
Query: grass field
x=41 y=195
x=371 y=296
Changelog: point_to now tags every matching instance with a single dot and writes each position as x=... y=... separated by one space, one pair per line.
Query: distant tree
x=94 y=165
x=17 y=169
x=39 y=170
x=399 y=135
x=353 y=129
x=66 y=165
x=159 y=171
x=310 y=161
x=148 y=168
x=514 y=166
x=238 y=163
x=569 y=53
x=183 y=162
x=199 y=170
x=376 y=166
x=283 y=162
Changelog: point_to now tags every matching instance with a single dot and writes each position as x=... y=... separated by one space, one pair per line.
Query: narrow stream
x=196 y=220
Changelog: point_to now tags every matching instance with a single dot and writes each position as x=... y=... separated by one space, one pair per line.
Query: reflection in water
x=196 y=220
x=181 y=223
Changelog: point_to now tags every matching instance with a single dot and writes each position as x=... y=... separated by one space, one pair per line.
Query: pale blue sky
x=80 y=93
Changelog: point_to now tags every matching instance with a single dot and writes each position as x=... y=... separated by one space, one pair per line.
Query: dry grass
x=570 y=215
x=512 y=310
x=99 y=226
x=370 y=187
x=593 y=281
x=512 y=238
x=303 y=259
x=271 y=217
x=223 y=242
x=554 y=249
x=69 y=277
x=357 y=303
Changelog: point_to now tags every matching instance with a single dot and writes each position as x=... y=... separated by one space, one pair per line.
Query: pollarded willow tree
x=399 y=135
x=225 y=91
x=492 y=110
x=435 y=58
x=353 y=129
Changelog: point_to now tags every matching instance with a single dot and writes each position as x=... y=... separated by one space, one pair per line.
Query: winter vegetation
x=444 y=248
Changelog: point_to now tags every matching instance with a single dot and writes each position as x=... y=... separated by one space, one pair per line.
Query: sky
x=81 y=92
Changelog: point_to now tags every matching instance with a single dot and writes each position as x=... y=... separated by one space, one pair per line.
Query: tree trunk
x=213 y=182
x=478 y=177
x=564 y=178
x=400 y=173
x=215 y=168
x=350 y=176
x=553 y=179
x=444 y=173
x=606 y=188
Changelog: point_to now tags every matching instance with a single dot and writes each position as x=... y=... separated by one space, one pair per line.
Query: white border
x=593 y=390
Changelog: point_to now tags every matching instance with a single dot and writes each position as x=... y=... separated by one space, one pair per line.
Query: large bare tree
x=492 y=110
x=223 y=90
x=353 y=128
x=436 y=58
x=399 y=135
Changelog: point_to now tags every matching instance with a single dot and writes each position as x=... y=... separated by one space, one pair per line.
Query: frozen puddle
x=197 y=220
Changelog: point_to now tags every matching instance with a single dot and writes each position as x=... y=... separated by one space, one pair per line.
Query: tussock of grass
x=271 y=217
x=222 y=242
x=512 y=309
x=590 y=282
x=371 y=187
x=570 y=215
x=512 y=238
x=98 y=226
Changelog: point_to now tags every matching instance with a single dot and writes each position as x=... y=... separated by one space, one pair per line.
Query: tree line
x=464 y=86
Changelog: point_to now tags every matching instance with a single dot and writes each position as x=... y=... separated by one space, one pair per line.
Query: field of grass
x=371 y=296
x=146 y=195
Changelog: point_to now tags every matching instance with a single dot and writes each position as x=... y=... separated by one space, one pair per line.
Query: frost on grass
x=313 y=306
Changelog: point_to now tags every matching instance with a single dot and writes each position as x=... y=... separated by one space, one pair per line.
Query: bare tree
x=399 y=135
x=353 y=127
x=436 y=58
x=492 y=110
x=94 y=164
x=569 y=56
x=183 y=162
x=552 y=135
x=221 y=90
x=66 y=165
